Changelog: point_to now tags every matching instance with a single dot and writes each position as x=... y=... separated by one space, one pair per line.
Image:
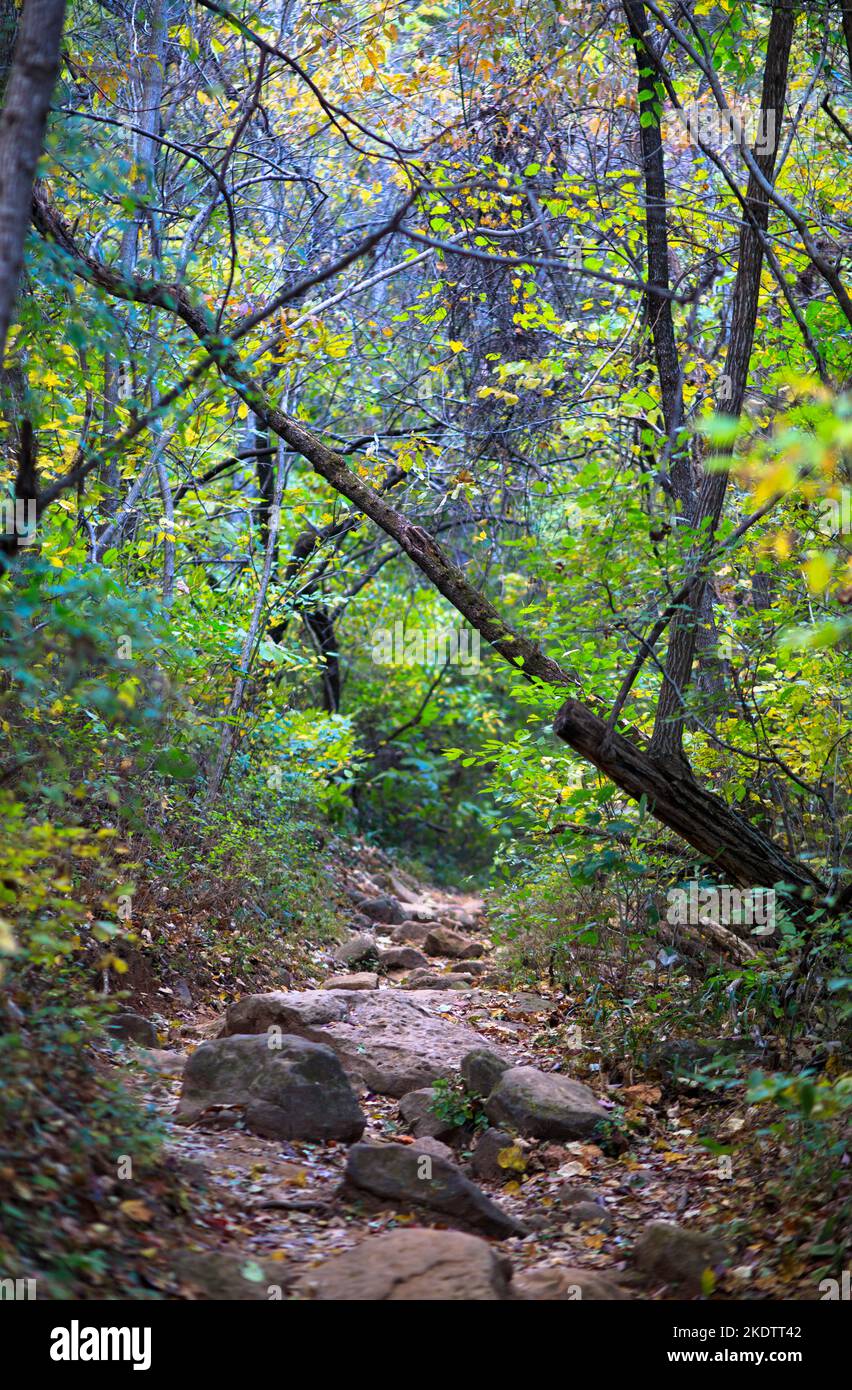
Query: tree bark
x=229 y=733
x=659 y=304
x=35 y=67
x=668 y=727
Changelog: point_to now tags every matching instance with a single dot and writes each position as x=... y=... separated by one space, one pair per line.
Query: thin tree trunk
x=35 y=67
x=229 y=732
x=669 y=723
x=660 y=318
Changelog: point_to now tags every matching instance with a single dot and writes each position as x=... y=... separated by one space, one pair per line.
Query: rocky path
x=405 y=1126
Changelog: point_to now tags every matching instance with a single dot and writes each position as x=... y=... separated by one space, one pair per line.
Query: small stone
x=470 y=967
x=570 y=1195
x=429 y=979
x=444 y=941
x=360 y=950
x=669 y=1254
x=566 y=1283
x=435 y=1149
x=590 y=1214
x=398 y=1174
x=481 y=1070
x=402 y=958
x=524 y=1003
x=228 y=1277
x=485 y=1163
x=364 y=980
x=417 y=1115
x=411 y=933
x=383 y=909
x=411 y=1266
x=133 y=1028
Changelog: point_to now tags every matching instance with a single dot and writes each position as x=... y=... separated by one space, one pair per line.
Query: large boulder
x=391 y=1041
x=566 y=1283
x=399 y=1174
x=445 y=941
x=668 y=1254
x=544 y=1105
x=411 y=1266
x=285 y=1087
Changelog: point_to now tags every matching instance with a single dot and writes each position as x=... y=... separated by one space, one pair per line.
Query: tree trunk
x=668 y=728
x=35 y=67
x=660 y=318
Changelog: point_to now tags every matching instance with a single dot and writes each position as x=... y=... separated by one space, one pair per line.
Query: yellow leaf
x=817 y=572
x=136 y=1210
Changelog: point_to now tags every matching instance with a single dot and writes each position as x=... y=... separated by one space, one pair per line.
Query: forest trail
x=269 y=1213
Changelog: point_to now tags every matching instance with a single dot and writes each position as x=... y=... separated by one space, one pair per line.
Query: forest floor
x=261 y=1212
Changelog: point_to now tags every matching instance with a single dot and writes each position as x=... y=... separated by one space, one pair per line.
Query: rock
x=415 y=1110
x=544 y=1105
x=411 y=933
x=365 y=980
x=160 y=1061
x=525 y=1003
x=430 y=979
x=229 y=1278
x=411 y=1266
x=391 y=1040
x=570 y=1196
x=383 y=909
x=183 y=994
x=457 y=917
x=669 y=1254
x=481 y=1070
x=133 y=1028
x=401 y=958
x=444 y=941
x=590 y=1214
x=293 y=1089
x=564 y=1282
x=678 y=1058
x=406 y=892
x=435 y=1149
x=360 y=950
x=485 y=1163
x=470 y=967
x=398 y=1174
